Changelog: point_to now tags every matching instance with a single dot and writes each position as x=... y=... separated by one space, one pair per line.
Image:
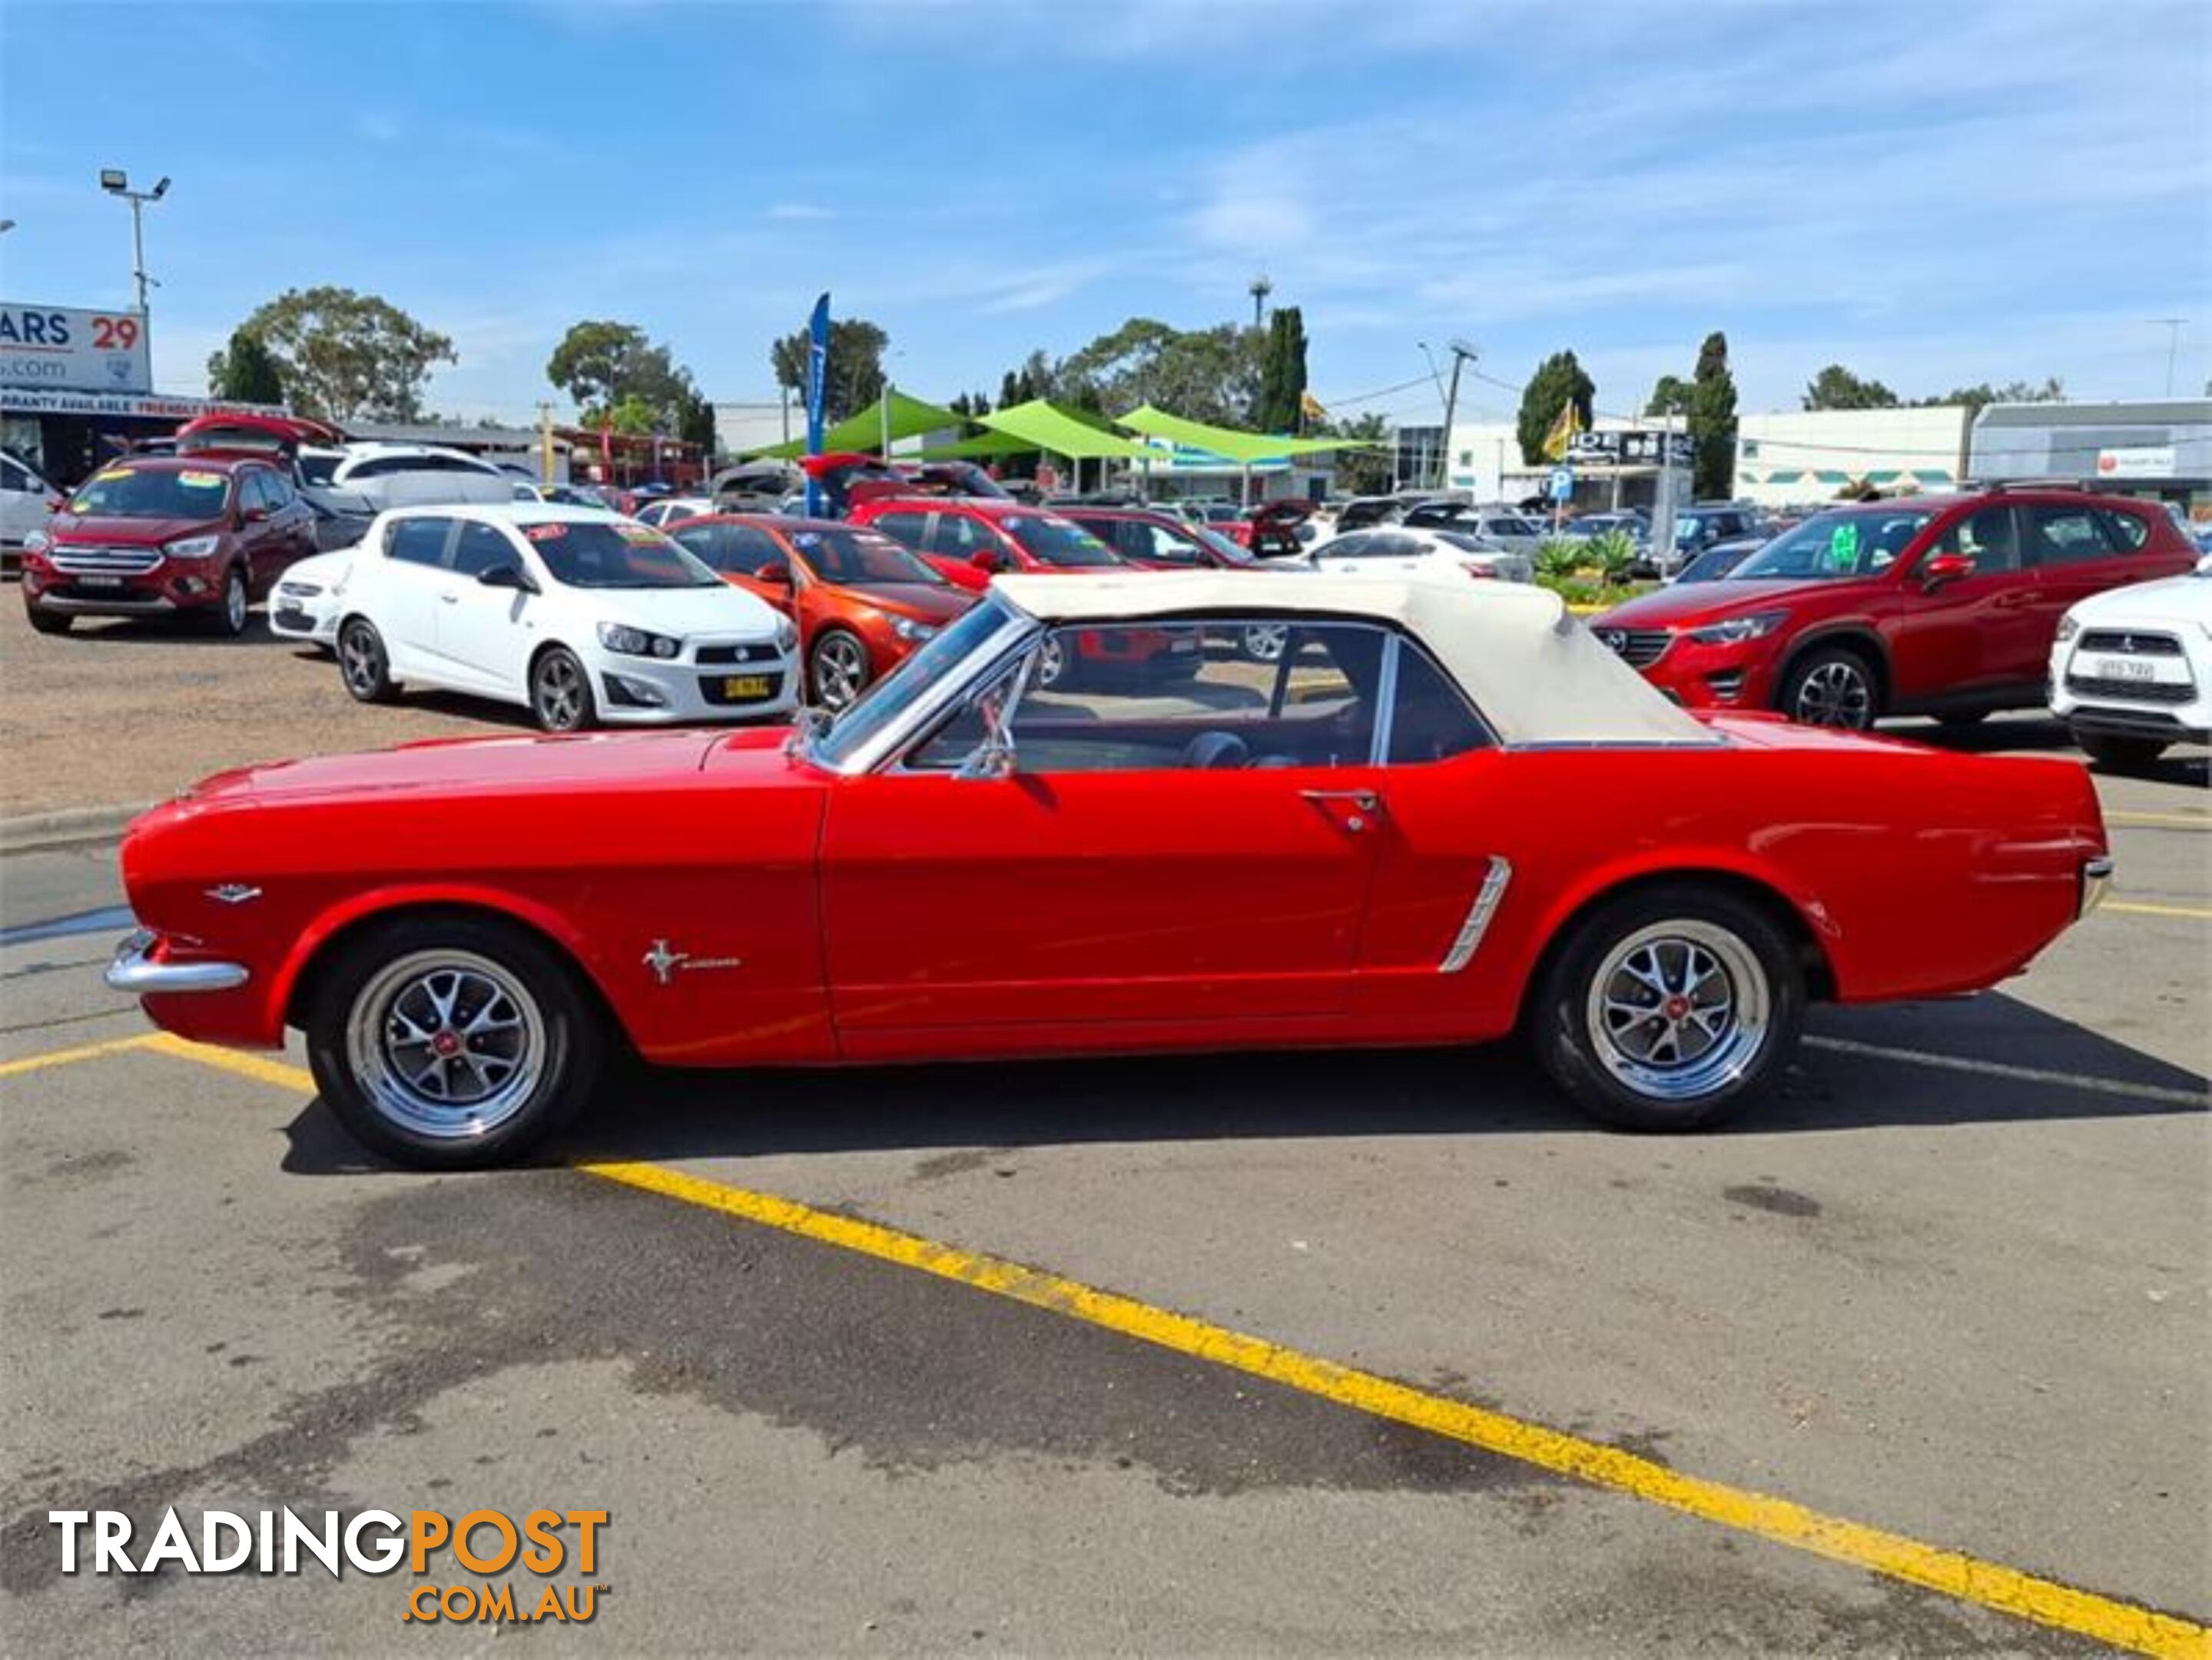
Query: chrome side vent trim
x=1487 y=898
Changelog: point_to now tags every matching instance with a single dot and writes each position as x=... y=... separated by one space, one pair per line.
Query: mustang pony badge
x=667 y=963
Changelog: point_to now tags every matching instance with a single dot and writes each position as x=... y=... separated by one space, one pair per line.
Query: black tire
x=561 y=692
x=227 y=620
x=385 y=977
x=48 y=622
x=1832 y=686
x=2119 y=752
x=1764 y=1015
x=362 y=666
x=838 y=654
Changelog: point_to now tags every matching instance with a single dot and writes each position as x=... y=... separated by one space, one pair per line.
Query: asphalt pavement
x=1949 y=1289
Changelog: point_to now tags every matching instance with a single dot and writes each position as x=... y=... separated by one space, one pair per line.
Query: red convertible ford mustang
x=1437 y=816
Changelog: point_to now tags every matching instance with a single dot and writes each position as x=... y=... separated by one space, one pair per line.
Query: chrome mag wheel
x=1052 y=661
x=558 y=692
x=360 y=660
x=1263 y=642
x=445 y=1044
x=1836 y=693
x=1679 y=1009
x=840 y=670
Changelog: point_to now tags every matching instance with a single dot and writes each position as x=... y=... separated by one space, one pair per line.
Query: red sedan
x=861 y=601
x=1385 y=837
x=970 y=540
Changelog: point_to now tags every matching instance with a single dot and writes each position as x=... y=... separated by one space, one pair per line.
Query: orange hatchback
x=861 y=601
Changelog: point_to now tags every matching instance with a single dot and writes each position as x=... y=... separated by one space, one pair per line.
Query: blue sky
x=1932 y=194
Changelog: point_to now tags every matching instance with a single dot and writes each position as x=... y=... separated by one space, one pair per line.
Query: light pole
x=116 y=182
x=1260 y=287
x=2172 y=325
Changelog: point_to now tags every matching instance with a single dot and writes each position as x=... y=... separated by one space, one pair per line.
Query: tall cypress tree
x=1712 y=420
x=1558 y=381
x=1282 y=372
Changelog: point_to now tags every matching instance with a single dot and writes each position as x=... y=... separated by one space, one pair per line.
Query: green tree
x=343 y=355
x=1362 y=471
x=1712 y=419
x=603 y=365
x=1670 y=395
x=1835 y=387
x=1282 y=372
x=1202 y=374
x=695 y=425
x=853 y=377
x=1975 y=397
x=1559 y=380
x=244 y=371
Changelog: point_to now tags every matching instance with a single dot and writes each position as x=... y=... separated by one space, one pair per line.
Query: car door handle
x=1365 y=800
x=451 y=598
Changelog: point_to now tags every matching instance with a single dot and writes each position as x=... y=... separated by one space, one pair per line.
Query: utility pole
x=1462 y=353
x=1260 y=290
x=2172 y=325
x=545 y=443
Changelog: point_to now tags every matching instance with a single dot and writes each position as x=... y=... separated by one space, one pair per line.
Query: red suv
x=1941 y=605
x=1160 y=541
x=970 y=540
x=200 y=536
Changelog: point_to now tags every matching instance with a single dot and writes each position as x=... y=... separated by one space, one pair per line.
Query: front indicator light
x=2068 y=627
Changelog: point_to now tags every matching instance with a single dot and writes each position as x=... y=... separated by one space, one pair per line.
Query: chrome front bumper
x=133 y=970
x=2096 y=882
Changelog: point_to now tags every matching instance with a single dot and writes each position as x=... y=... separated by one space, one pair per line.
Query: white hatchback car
x=1400 y=549
x=2131 y=668
x=582 y=616
x=307 y=601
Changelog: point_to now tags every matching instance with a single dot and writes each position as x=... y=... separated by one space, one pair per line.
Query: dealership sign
x=59 y=349
x=1639 y=448
x=2145 y=461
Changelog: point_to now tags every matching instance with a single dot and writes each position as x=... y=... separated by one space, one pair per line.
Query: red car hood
x=126 y=533
x=1691 y=605
x=466 y=765
x=925 y=602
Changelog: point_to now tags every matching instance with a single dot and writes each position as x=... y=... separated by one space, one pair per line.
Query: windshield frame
x=891 y=713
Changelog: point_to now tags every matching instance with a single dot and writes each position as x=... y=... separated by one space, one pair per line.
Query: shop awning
x=1244 y=447
x=910 y=417
x=1043 y=425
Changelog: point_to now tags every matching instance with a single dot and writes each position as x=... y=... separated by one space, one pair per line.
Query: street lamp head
x=163 y=188
x=114 y=179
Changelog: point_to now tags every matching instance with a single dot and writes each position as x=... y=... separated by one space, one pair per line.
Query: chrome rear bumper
x=2096 y=881
x=133 y=970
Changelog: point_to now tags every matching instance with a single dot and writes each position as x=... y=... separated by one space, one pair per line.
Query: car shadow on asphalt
x=1493 y=1088
x=2027 y=734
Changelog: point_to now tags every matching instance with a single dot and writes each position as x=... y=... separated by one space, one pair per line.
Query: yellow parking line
x=1969 y=1579
x=2137 y=907
x=2171 y=820
x=144 y=1040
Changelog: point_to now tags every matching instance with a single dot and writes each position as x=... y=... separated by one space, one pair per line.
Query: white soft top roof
x=1536 y=673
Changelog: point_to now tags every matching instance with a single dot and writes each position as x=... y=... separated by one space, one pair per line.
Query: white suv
x=581 y=616
x=2131 y=669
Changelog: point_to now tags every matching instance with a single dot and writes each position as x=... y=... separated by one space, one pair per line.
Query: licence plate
x=2134 y=668
x=100 y=581
x=748 y=685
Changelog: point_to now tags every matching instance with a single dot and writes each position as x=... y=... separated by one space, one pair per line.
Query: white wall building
x=757 y=423
x=1805 y=457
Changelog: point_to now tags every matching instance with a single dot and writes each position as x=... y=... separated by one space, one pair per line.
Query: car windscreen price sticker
x=1843 y=545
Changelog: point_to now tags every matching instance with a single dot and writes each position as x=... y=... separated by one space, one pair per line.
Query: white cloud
x=800 y=210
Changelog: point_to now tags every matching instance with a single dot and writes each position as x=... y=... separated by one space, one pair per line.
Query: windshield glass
x=1056 y=542
x=1862 y=542
x=317 y=469
x=883 y=703
x=1234 y=553
x=853 y=554
x=588 y=554
x=153 y=493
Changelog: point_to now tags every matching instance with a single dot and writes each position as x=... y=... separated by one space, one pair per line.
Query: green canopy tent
x=1040 y=424
x=983 y=447
x=1228 y=442
x=873 y=429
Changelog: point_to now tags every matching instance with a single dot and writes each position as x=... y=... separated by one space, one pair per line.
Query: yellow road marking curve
x=1780 y=1521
